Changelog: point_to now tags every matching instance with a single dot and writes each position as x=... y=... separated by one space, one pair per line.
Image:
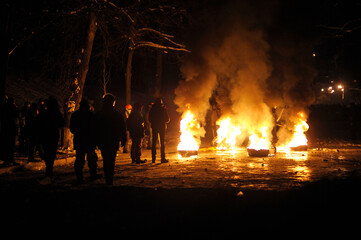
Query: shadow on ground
x=331 y=204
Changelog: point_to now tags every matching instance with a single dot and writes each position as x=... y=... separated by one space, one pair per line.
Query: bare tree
x=139 y=37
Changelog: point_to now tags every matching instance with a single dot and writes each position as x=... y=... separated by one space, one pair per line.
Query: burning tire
x=258 y=153
x=299 y=148
x=188 y=153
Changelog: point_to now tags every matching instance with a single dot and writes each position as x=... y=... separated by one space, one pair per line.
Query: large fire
x=227 y=134
x=299 y=138
x=188 y=127
x=260 y=140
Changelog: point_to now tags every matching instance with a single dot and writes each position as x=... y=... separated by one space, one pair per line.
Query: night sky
x=48 y=39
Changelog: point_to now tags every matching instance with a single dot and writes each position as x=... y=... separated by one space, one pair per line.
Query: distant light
x=322 y=89
x=339 y=86
x=332 y=91
x=329 y=88
x=314 y=55
x=331 y=81
x=342 y=89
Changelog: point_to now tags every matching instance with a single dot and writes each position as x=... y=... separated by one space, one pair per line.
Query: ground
x=217 y=191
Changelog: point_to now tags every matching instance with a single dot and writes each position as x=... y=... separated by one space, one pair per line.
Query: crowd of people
x=38 y=127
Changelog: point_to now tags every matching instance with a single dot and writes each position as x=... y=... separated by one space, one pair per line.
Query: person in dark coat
x=135 y=125
x=126 y=113
x=9 y=130
x=51 y=122
x=158 y=118
x=110 y=127
x=147 y=126
x=82 y=125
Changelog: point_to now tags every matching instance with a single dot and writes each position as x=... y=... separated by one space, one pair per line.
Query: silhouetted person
x=41 y=105
x=23 y=134
x=51 y=123
x=215 y=114
x=126 y=113
x=9 y=130
x=158 y=118
x=135 y=125
x=110 y=128
x=147 y=126
x=82 y=125
x=33 y=128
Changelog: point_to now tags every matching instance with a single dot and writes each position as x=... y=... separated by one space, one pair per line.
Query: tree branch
x=163 y=35
x=155 y=45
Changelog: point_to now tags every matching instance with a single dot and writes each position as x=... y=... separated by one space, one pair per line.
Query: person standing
x=24 y=131
x=9 y=130
x=51 y=123
x=110 y=129
x=126 y=113
x=147 y=126
x=158 y=118
x=82 y=125
x=32 y=126
x=135 y=125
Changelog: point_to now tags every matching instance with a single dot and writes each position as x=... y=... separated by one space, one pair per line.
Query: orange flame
x=259 y=140
x=189 y=128
x=227 y=134
x=299 y=137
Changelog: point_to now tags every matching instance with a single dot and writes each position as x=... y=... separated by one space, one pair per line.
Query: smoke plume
x=232 y=62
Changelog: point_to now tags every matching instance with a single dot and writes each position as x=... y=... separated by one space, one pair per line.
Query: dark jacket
x=32 y=121
x=135 y=125
x=10 y=119
x=50 y=121
x=82 y=125
x=50 y=125
x=110 y=128
x=158 y=116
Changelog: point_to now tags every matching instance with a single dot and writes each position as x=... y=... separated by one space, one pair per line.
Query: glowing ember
x=227 y=134
x=188 y=127
x=259 y=141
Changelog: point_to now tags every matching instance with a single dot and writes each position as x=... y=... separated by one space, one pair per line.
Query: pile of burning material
x=259 y=144
x=227 y=134
x=188 y=145
x=257 y=152
x=188 y=153
x=299 y=140
x=299 y=148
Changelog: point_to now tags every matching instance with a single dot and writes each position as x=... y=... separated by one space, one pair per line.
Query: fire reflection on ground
x=212 y=169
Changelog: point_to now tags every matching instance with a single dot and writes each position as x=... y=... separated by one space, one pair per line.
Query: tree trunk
x=75 y=99
x=4 y=53
x=158 y=76
x=128 y=77
x=84 y=67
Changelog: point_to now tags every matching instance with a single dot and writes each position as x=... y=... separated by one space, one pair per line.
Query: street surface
x=216 y=191
x=210 y=169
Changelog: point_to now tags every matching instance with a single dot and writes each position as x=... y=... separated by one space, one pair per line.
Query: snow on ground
x=210 y=169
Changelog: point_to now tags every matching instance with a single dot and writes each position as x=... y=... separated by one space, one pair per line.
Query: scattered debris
x=240 y=194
